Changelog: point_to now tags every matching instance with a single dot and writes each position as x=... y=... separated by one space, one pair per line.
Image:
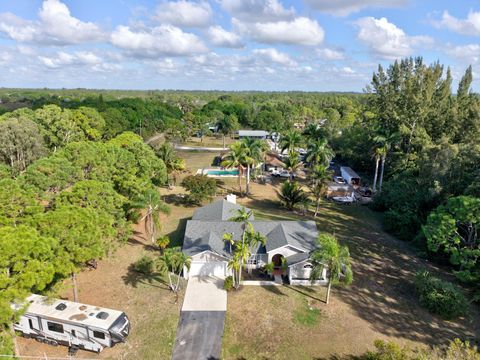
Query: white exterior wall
x=72 y=334
x=207 y=264
x=285 y=251
x=298 y=275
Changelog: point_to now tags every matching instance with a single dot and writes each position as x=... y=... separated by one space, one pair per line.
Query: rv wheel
x=53 y=342
x=39 y=339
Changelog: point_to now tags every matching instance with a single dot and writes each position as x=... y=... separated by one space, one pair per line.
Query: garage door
x=209 y=268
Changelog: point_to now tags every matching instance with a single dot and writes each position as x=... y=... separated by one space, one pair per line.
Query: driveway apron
x=202 y=320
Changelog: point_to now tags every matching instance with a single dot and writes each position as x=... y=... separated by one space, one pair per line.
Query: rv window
x=30 y=323
x=55 y=327
x=73 y=333
x=98 y=334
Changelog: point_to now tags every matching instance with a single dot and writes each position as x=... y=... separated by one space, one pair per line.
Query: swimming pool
x=233 y=172
x=218 y=172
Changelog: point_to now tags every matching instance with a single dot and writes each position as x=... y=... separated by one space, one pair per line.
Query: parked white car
x=281 y=173
x=339 y=180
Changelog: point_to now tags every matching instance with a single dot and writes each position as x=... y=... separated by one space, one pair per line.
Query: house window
x=55 y=327
x=99 y=334
x=308 y=266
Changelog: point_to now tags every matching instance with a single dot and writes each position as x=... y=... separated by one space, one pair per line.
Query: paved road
x=195 y=148
x=202 y=319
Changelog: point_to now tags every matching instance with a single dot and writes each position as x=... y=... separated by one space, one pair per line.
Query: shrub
x=201 y=188
x=228 y=283
x=456 y=350
x=388 y=351
x=144 y=265
x=6 y=343
x=440 y=297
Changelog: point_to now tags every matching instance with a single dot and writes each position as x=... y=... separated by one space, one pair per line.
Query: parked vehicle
x=78 y=326
x=349 y=175
x=281 y=173
x=339 y=180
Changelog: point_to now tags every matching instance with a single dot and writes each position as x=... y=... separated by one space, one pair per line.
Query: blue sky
x=310 y=45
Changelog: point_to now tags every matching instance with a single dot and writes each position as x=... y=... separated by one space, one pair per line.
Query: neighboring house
x=256 y=134
x=289 y=240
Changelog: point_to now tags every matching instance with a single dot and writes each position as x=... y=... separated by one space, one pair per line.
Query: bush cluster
x=439 y=296
x=228 y=284
x=144 y=265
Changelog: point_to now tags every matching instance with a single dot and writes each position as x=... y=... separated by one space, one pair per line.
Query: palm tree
x=377 y=154
x=236 y=158
x=228 y=239
x=290 y=140
x=313 y=131
x=242 y=248
x=172 y=262
x=318 y=152
x=291 y=194
x=227 y=125
x=162 y=243
x=150 y=200
x=173 y=163
x=384 y=144
x=255 y=153
x=333 y=256
x=292 y=164
x=243 y=216
x=319 y=178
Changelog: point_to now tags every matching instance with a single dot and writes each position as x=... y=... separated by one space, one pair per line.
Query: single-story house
x=287 y=241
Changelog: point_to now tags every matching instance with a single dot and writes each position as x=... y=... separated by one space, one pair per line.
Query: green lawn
x=294 y=323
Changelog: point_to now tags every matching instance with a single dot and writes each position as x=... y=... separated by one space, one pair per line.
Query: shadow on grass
x=273 y=289
x=340 y=357
x=134 y=278
x=305 y=292
x=176 y=236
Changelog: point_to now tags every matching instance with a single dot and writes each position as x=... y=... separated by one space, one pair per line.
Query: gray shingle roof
x=202 y=235
x=218 y=210
x=297 y=258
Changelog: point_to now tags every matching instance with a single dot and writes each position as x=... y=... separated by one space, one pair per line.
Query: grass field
x=294 y=322
x=275 y=322
x=151 y=307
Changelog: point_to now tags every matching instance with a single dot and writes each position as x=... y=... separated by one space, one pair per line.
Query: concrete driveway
x=205 y=293
x=202 y=319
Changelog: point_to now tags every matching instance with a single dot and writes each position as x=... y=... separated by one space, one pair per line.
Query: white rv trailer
x=78 y=326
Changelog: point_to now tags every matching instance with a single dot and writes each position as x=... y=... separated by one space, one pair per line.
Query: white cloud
x=184 y=13
x=468 y=26
x=386 y=40
x=87 y=59
x=275 y=56
x=257 y=10
x=299 y=31
x=55 y=26
x=156 y=41
x=346 y=7
x=221 y=37
x=330 y=54
x=469 y=54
